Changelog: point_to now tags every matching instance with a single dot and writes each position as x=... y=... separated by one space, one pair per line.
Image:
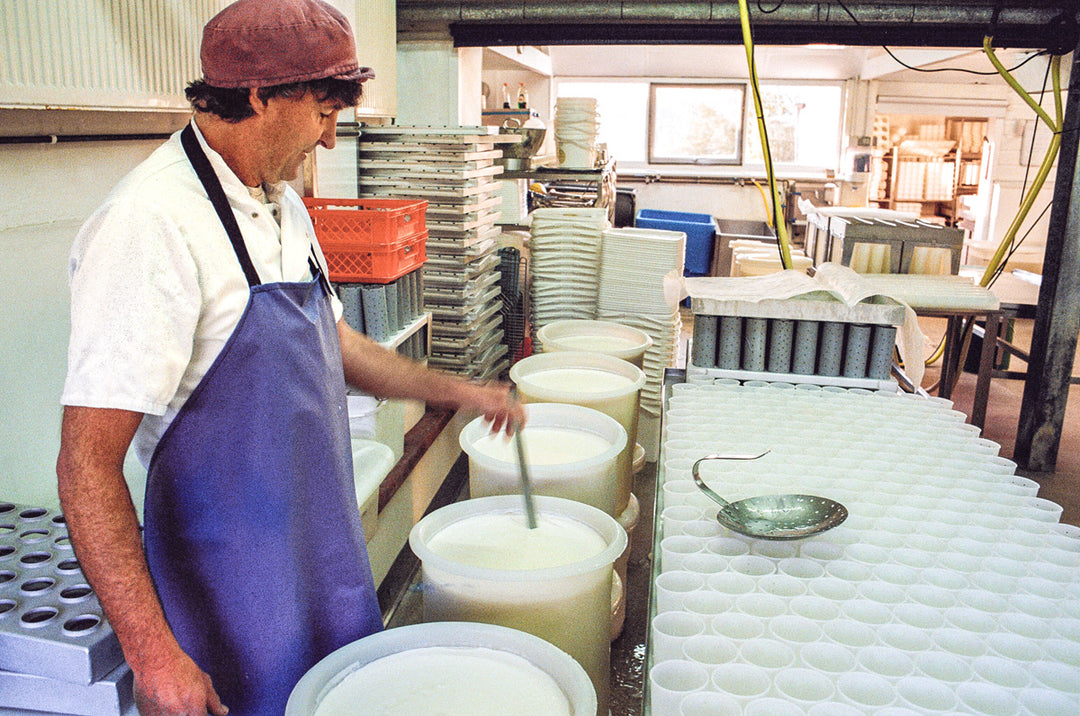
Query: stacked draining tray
x=950 y=588
x=633 y=292
x=454 y=170
x=565 y=249
x=57 y=652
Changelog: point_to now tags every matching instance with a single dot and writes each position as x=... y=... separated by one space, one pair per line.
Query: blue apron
x=252 y=532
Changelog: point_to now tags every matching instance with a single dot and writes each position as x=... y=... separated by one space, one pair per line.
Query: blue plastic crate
x=700 y=230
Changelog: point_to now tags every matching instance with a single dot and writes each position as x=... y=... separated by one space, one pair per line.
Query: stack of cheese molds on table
x=950 y=588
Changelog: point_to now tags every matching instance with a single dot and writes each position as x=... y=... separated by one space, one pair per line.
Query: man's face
x=292 y=128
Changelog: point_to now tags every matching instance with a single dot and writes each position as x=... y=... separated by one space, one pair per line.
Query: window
x=695 y=123
x=658 y=123
x=803 y=122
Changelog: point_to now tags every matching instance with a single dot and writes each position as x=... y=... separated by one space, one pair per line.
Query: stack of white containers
x=576 y=126
x=565 y=245
x=583 y=270
x=633 y=264
x=950 y=588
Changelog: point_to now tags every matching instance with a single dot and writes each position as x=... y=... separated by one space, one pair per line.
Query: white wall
x=48 y=191
x=726 y=201
x=438 y=85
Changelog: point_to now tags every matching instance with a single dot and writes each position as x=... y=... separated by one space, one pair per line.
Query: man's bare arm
x=387 y=374
x=105 y=533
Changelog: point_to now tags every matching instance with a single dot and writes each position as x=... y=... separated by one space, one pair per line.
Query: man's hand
x=497 y=404
x=176 y=688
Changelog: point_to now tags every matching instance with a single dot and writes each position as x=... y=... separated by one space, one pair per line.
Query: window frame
x=650 y=127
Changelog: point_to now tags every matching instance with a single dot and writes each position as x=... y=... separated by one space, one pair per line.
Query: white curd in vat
x=597 y=343
x=481 y=563
x=505 y=542
x=452 y=681
x=544 y=446
x=579 y=380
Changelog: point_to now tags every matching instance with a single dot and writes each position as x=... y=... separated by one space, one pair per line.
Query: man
x=205 y=334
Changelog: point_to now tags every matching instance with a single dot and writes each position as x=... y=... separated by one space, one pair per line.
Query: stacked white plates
x=576 y=125
x=565 y=247
x=664 y=330
x=633 y=265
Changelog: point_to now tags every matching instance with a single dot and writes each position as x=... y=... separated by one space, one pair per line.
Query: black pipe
x=64 y=138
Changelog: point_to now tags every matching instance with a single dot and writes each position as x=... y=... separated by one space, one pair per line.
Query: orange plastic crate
x=369 y=240
x=368 y=223
x=348 y=264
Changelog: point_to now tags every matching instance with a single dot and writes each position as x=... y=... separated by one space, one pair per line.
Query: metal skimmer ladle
x=526 y=484
x=523 y=471
x=775 y=517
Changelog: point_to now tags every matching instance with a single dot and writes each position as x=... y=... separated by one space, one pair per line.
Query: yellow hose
x=1055 y=125
x=781 y=229
x=1047 y=163
x=765 y=201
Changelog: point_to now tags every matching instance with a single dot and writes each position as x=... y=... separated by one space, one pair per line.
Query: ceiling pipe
x=475 y=23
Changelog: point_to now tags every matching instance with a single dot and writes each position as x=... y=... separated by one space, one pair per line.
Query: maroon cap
x=259 y=43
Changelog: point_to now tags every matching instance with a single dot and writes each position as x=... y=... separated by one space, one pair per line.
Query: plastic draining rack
x=57 y=651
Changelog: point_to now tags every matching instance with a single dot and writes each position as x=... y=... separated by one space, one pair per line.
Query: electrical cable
x=1016 y=244
x=941 y=69
x=1048 y=160
x=958 y=69
x=1034 y=132
x=765 y=201
x=1008 y=241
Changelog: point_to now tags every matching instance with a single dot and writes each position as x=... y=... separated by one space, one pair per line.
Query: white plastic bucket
x=568 y=605
x=567 y=465
x=535 y=661
x=607 y=337
x=575 y=155
x=610 y=385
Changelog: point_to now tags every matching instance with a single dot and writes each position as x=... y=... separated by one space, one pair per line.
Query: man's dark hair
x=231 y=103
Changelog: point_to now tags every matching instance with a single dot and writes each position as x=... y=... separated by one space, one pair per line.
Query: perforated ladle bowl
x=777 y=517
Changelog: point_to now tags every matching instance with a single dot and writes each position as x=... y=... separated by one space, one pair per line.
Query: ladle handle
x=718 y=456
x=523 y=470
x=526 y=483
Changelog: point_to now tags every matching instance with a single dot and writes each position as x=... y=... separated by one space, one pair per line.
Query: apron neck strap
x=317 y=272
x=210 y=182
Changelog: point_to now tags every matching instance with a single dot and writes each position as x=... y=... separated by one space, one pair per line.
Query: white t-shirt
x=156 y=288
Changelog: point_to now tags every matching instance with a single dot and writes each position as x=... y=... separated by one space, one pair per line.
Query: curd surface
x=449 y=681
x=505 y=542
x=544 y=446
x=579 y=380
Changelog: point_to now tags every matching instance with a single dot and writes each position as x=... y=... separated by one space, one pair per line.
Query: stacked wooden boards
x=455 y=170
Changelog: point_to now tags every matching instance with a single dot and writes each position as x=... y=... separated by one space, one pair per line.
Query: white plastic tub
x=571 y=451
x=607 y=337
x=480 y=562
x=536 y=665
x=610 y=385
